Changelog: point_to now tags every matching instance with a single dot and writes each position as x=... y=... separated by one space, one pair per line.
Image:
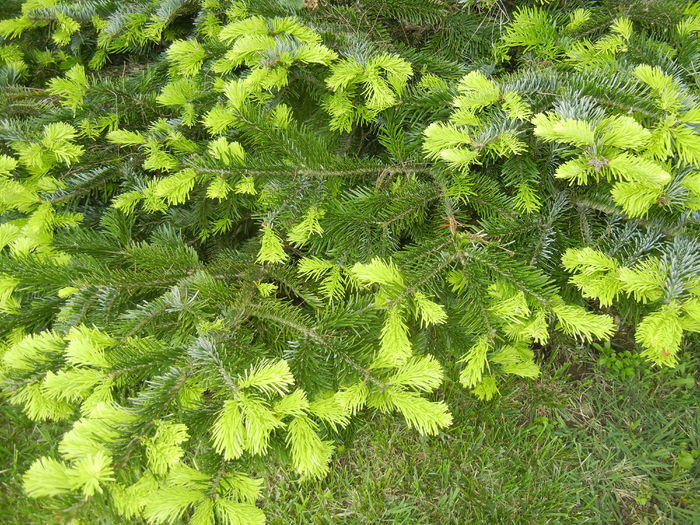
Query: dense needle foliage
x=230 y=228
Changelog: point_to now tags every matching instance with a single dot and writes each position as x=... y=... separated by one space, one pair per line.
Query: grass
x=568 y=449
x=579 y=447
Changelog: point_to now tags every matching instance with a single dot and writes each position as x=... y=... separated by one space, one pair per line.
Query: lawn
x=579 y=445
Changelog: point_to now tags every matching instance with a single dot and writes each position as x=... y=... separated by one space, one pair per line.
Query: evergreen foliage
x=230 y=228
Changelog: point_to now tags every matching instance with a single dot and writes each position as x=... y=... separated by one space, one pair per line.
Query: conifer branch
x=230 y=228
